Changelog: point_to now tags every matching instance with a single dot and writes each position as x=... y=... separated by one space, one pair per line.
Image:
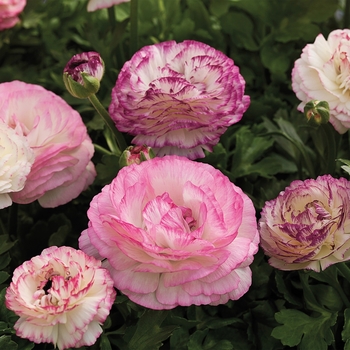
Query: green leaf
x=149 y=334
x=104 y=343
x=7 y=343
x=345 y=335
x=107 y=170
x=241 y=29
x=5 y=245
x=249 y=149
x=3 y=276
x=309 y=332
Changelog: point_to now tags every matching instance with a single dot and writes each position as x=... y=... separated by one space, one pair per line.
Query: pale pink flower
x=62 y=168
x=178 y=98
x=307 y=226
x=62 y=297
x=175 y=232
x=94 y=5
x=9 y=11
x=323 y=73
x=16 y=159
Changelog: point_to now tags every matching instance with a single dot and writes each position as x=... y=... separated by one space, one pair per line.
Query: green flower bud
x=317 y=112
x=135 y=155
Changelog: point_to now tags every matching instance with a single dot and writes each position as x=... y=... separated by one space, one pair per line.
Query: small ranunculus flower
x=56 y=133
x=135 y=155
x=83 y=73
x=9 y=11
x=94 y=5
x=62 y=296
x=322 y=73
x=175 y=232
x=16 y=159
x=307 y=226
x=178 y=98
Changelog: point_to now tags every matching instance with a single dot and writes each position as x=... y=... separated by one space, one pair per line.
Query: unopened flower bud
x=317 y=112
x=135 y=155
x=83 y=73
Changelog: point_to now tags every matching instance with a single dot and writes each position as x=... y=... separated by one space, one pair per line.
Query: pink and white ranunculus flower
x=175 y=232
x=178 y=98
x=16 y=159
x=323 y=73
x=9 y=11
x=56 y=133
x=308 y=225
x=94 y=5
x=62 y=297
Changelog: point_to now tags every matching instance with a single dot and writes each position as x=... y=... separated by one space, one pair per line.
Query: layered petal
x=178 y=98
x=169 y=237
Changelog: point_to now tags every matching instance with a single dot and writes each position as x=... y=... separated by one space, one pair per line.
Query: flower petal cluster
x=94 y=5
x=323 y=73
x=9 y=11
x=307 y=226
x=83 y=73
x=62 y=297
x=175 y=232
x=16 y=159
x=56 y=133
x=178 y=98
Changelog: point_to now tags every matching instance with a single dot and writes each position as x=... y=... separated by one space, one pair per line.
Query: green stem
x=133 y=27
x=102 y=150
x=107 y=119
x=111 y=18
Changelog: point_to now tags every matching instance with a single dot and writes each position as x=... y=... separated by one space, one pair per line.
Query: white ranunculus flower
x=323 y=73
x=16 y=159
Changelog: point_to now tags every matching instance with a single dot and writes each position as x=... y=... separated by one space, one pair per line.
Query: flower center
x=343 y=69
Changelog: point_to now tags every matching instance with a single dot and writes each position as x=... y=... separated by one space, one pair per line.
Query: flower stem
x=133 y=26
x=107 y=119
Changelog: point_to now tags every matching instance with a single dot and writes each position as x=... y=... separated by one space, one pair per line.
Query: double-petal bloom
x=62 y=297
x=9 y=11
x=16 y=159
x=174 y=232
x=308 y=225
x=178 y=98
x=55 y=132
x=323 y=73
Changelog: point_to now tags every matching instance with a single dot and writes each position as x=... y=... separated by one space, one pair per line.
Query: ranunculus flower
x=9 y=11
x=62 y=297
x=178 y=98
x=94 y=5
x=175 y=232
x=322 y=73
x=62 y=168
x=16 y=159
x=83 y=73
x=307 y=226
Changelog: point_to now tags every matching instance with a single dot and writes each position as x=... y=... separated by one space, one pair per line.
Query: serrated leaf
x=299 y=328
